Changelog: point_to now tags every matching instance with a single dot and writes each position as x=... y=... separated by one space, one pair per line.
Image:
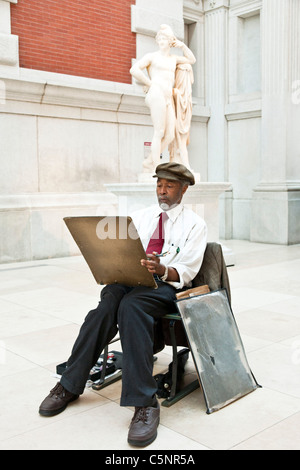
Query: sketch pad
x=112 y=249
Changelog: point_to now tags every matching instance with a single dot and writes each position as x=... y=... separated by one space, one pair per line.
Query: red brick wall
x=88 y=38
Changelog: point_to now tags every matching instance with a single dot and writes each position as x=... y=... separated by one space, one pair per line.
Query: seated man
x=132 y=311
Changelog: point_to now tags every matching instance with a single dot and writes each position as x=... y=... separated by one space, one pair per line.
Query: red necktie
x=156 y=242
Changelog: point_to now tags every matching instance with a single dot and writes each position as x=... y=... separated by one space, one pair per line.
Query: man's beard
x=164 y=206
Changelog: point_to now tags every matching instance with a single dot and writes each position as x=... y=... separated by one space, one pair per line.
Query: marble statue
x=168 y=84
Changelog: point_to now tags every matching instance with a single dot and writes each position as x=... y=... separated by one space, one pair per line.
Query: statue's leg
x=157 y=104
x=183 y=150
x=170 y=127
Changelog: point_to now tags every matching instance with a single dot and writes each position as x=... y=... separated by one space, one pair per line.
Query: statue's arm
x=137 y=70
x=188 y=57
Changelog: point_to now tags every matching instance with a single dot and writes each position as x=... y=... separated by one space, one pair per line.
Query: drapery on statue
x=169 y=96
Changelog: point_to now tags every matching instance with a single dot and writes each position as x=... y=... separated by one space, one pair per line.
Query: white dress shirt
x=185 y=239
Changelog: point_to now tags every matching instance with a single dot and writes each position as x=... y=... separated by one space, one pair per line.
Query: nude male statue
x=161 y=67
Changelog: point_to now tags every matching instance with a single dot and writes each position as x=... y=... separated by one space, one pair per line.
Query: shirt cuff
x=185 y=276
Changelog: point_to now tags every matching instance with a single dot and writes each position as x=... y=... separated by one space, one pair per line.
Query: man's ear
x=184 y=188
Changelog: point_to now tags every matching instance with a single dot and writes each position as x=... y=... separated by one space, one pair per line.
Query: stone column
x=9 y=46
x=276 y=200
x=216 y=20
x=216 y=50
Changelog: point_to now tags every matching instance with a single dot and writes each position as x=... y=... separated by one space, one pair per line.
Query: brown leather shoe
x=143 y=427
x=57 y=401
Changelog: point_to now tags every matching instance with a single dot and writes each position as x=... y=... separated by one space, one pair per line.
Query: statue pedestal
x=203 y=198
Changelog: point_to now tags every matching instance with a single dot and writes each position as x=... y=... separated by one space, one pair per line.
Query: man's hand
x=153 y=264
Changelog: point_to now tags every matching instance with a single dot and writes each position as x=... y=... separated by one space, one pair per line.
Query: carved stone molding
x=193 y=4
x=214 y=4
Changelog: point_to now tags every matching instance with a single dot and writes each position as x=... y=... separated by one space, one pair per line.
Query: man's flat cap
x=174 y=171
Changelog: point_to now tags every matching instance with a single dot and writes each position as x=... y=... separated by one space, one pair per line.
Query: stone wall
x=63 y=137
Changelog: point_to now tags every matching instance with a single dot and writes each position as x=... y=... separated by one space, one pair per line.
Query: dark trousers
x=132 y=312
